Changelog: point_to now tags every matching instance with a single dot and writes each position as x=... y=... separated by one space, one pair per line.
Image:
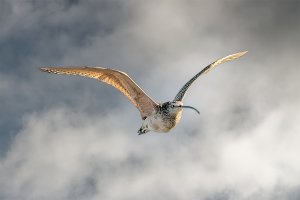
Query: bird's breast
x=163 y=123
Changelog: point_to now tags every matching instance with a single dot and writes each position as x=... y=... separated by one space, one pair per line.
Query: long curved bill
x=190 y=108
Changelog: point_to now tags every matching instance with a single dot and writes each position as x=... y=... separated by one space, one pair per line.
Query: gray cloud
x=72 y=138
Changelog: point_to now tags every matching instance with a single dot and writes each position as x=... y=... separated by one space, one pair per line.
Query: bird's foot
x=142 y=131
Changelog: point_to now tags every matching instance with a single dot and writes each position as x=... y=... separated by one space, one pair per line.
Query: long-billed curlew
x=159 y=117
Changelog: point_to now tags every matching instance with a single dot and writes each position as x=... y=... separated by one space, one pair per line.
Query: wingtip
x=43 y=69
x=243 y=52
x=237 y=55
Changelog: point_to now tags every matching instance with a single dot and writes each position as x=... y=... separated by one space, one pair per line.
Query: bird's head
x=176 y=106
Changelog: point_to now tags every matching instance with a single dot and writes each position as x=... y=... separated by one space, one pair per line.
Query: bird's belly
x=162 y=124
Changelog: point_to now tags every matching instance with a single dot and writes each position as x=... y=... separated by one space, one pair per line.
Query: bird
x=156 y=117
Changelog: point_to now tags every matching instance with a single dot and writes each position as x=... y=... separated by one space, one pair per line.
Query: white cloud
x=60 y=150
x=84 y=145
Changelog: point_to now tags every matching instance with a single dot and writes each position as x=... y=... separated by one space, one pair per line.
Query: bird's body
x=163 y=119
x=156 y=117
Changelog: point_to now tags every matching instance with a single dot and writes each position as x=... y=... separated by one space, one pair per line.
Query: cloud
x=72 y=138
x=61 y=154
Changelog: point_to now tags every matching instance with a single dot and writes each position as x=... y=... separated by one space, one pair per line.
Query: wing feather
x=183 y=90
x=118 y=79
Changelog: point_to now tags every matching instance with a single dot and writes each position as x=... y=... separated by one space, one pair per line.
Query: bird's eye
x=172 y=106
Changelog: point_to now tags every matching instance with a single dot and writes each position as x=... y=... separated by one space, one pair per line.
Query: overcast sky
x=69 y=138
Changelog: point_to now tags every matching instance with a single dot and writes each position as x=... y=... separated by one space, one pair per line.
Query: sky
x=66 y=138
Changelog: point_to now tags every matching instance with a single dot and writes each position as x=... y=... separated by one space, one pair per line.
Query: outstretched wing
x=183 y=90
x=117 y=79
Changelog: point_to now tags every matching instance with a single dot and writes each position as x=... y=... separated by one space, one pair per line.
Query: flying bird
x=158 y=117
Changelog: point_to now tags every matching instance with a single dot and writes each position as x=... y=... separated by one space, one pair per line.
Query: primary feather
x=120 y=80
x=183 y=90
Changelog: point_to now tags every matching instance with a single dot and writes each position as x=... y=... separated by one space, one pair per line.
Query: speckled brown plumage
x=117 y=79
